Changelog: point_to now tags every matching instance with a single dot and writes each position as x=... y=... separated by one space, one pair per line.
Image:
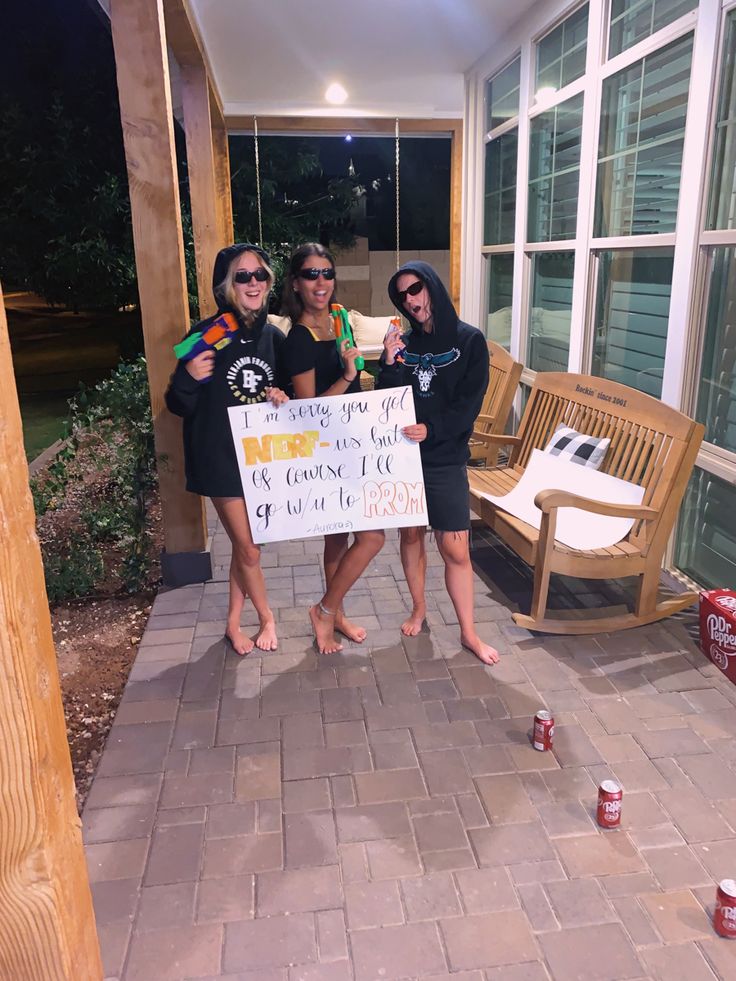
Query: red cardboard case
x=718 y=629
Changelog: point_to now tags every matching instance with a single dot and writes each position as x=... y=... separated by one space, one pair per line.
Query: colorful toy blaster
x=213 y=338
x=344 y=331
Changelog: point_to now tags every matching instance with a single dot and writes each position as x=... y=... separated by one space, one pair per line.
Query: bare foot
x=484 y=652
x=413 y=625
x=266 y=639
x=350 y=630
x=324 y=631
x=241 y=644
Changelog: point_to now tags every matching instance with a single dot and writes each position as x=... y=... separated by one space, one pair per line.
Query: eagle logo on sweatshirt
x=248 y=378
x=426 y=365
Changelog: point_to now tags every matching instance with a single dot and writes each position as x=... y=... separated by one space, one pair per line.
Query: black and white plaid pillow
x=576 y=447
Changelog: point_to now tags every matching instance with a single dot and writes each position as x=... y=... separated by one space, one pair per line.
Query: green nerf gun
x=214 y=337
x=343 y=331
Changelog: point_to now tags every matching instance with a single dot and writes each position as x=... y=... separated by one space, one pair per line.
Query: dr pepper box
x=718 y=629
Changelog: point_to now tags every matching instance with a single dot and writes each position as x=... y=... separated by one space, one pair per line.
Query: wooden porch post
x=139 y=42
x=206 y=216
x=47 y=925
x=223 y=192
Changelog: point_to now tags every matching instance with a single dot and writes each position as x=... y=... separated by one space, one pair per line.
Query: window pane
x=722 y=211
x=633 y=20
x=706 y=536
x=549 y=321
x=500 y=198
x=500 y=283
x=717 y=393
x=502 y=96
x=640 y=152
x=561 y=54
x=633 y=304
x=554 y=169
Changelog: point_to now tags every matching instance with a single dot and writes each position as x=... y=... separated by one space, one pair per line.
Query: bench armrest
x=482 y=417
x=547 y=500
x=496 y=439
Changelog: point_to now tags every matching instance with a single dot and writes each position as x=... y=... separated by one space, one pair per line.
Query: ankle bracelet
x=323 y=609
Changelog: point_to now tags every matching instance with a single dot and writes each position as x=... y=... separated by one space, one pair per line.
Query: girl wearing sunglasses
x=316 y=368
x=446 y=363
x=247 y=370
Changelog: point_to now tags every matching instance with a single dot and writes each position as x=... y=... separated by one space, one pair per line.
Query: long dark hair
x=291 y=301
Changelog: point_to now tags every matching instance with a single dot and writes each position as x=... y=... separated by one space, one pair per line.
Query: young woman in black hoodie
x=446 y=363
x=247 y=370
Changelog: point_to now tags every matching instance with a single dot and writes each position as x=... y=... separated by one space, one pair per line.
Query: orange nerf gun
x=213 y=338
x=343 y=331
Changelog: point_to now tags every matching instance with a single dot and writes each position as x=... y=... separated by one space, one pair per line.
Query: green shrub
x=93 y=501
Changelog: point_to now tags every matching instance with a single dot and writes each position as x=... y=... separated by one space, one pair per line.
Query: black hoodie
x=244 y=369
x=447 y=369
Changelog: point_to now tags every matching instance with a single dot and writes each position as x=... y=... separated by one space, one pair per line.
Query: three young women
x=247 y=370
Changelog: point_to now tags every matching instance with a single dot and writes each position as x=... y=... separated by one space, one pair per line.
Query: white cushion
x=283 y=323
x=569 y=444
x=369 y=331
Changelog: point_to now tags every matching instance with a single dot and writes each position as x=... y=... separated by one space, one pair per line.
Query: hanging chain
x=258 y=180
x=398 y=252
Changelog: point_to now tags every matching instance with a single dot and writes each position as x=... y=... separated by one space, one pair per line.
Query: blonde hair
x=226 y=289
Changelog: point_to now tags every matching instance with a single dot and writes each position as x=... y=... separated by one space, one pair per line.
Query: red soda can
x=724 y=915
x=544 y=730
x=609 y=804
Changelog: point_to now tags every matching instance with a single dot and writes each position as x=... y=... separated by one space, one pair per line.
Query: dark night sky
x=65 y=45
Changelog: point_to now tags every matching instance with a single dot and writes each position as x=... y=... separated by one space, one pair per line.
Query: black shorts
x=448 y=501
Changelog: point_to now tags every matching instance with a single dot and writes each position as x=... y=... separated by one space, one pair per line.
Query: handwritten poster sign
x=328 y=465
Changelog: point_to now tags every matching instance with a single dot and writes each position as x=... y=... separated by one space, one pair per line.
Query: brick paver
x=381 y=814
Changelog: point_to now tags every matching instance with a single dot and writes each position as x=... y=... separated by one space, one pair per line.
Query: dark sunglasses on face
x=243 y=276
x=314 y=273
x=411 y=290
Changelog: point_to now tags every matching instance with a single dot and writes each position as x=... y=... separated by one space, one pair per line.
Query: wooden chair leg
x=646 y=591
x=541 y=590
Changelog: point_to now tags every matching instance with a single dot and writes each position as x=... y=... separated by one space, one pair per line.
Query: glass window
x=502 y=96
x=561 y=54
x=500 y=284
x=640 y=152
x=632 y=309
x=633 y=20
x=717 y=392
x=554 y=170
x=706 y=536
x=722 y=210
x=549 y=319
x=500 y=194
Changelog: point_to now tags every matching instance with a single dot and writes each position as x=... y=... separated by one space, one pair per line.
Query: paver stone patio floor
x=380 y=814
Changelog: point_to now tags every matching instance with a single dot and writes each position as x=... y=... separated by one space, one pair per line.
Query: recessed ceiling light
x=348 y=138
x=336 y=94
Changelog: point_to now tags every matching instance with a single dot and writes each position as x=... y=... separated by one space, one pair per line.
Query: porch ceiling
x=394 y=57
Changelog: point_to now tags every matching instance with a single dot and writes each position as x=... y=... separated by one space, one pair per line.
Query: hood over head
x=444 y=318
x=222 y=264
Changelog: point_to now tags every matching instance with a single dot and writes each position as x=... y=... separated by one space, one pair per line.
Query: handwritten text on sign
x=328 y=465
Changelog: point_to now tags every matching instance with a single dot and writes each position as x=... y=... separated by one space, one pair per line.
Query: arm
x=466 y=405
x=182 y=395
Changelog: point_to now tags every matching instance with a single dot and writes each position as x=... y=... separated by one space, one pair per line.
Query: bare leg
x=454 y=548
x=414 y=561
x=240 y=643
x=366 y=545
x=335 y=548
x=246 y=564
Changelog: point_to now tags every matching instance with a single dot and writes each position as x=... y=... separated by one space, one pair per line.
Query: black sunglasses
x=314 y=273
x=411 y=290
x=243 y=277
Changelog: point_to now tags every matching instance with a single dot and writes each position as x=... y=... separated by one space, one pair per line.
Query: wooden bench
x=503 y=379
x=652 y=445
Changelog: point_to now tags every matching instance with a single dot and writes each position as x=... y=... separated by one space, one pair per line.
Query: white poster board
x=575 y=527
x=328 y=465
